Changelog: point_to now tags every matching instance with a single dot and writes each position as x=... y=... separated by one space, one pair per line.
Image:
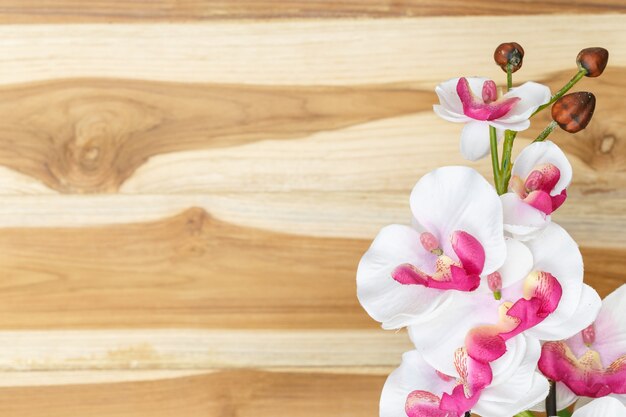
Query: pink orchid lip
x=486 y=107
x=584 y=375
x=463 y=275
x=537 y=188
x=474 y=377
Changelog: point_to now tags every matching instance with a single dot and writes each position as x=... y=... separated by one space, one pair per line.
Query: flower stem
x=495 y=162
x=509 y=76
x=580 y=74
x=507 y=149
x=544 y=134
x=525 y=414
x=551 y=400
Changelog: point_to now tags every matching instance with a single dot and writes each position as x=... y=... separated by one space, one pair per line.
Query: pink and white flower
x=538 y=291
x=510 y=385
x=475 y=102
x=592 y=363
x=539 y=179
x=409 y=273
x=602 y=407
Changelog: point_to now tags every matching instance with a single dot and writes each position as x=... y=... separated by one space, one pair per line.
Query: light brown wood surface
x=187 y=187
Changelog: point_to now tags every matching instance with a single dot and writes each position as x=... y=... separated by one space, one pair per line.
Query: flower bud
x=573 y=111
x=509 y=53
x=589 y=335
x=494 y=281
x=593 y=60
x=430 y=243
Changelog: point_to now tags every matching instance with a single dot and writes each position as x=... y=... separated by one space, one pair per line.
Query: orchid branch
x=580 y=74
x=544 y=134
x=495 y=162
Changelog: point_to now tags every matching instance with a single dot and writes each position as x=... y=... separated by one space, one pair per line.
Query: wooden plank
x=315 y=52
x=186 y=271
x=66 y=11
x=227 y=393
x=378 y=351
x=89 y=136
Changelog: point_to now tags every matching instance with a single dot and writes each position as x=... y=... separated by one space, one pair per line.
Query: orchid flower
x=475 y=102
x=602 y=407
x=592 y=363
x=409 y=273
x=539 y=179
x=510 y=385
x=538 y=291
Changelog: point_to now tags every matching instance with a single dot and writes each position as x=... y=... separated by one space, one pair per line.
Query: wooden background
x=187 y=187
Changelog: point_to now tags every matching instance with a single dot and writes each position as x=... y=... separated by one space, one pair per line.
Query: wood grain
x=187 y=271
x=64 y=11
x=301 y=350
x=228 y=393
x=88 y=136
x=311 y=52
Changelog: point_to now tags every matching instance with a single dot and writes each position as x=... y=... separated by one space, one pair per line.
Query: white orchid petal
x=538 y=391
x=387 y=301
x=453 y=199
x=610 y=327
x=555 y=251
x=450 y=116
x=475 y=142
x=564 y=398
x=504 y=125
x=532 y=96
x=602 y=407
x=539 y=153
x=521 y=219
x=585 y=313
x=516 y=365
x=518 y=263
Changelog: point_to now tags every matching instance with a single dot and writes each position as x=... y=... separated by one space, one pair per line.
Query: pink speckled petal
x=425 y=404
x=469 y=250
x=585 y=375
x=476 y=108
x=540 y=154
x=540 y=200
x=543 y=292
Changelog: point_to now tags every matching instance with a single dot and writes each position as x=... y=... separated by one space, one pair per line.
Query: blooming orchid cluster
x=489 y=287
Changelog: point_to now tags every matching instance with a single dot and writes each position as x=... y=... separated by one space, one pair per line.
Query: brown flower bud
x=593 y=60
x=509 y=53
x=574 y=111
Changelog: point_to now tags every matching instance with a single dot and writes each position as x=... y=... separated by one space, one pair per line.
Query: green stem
x=525 y=414
x=544 y=134
x=509 y=77
x=507 y=150
x=495 y=162
x=580 y=74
